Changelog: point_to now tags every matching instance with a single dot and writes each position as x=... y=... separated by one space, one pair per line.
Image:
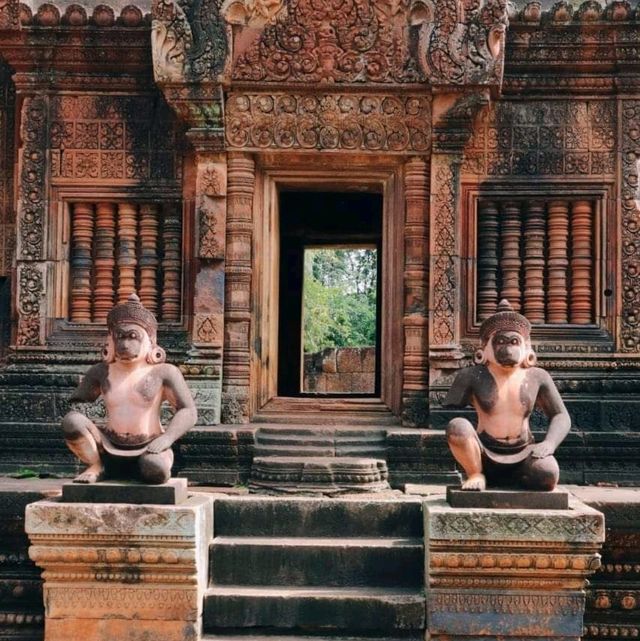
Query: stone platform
x=125 y=572
x=318 y=475
x=507 y=573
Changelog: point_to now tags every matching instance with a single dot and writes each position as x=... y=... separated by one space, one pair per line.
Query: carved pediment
x=352 y=41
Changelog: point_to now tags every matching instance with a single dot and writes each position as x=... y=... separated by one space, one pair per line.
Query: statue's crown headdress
x=505 y=320
x=133 y=311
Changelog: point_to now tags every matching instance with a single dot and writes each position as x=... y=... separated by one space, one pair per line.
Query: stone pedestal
x=117 y=571
x=508 y=574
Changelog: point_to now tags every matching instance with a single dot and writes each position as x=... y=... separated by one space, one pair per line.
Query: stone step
x=321 y=475
x=316 y=561
x=395 y=516
x=381 y=610
x=264 y=635
x=311 y=441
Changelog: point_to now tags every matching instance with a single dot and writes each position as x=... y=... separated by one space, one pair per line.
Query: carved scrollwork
x=189 y=40
x=33 y=176
x=630 y=330
x=31 y=284
x=328 y=121
x=461 y=42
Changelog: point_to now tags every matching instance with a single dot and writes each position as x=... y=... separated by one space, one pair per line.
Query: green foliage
x=339 y=298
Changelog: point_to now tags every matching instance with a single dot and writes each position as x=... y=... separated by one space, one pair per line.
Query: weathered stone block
x=122 y=571
x=349 y=359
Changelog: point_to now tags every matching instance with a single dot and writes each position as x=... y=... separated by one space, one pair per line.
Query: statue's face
x=508 y=348
x=131 y=343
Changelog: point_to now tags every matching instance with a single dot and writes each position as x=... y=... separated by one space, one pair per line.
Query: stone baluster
x=127 y=235
x=81 y=261
x=416 y=280
x=171 y=265
x=534 y=237
x=581 y=262
x=488 y=228
x=510 y=262
x=149 y=261
x=105 y=262
x=237 y=303
x=558 y=262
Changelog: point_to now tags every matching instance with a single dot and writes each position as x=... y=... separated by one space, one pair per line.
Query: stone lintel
x=509 y=499
x=174 y=492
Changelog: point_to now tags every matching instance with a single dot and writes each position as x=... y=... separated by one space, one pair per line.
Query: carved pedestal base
x=126 y=572
x=318 y=475
x=509 y=574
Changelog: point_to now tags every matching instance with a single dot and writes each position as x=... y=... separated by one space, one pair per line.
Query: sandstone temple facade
x=151 y=147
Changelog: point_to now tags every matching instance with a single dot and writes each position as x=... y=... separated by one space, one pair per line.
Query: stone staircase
x=296 y=567
x=319 y=459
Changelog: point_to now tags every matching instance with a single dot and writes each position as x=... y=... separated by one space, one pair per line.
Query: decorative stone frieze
x=513 y=574
x=122 y=571
x=371 y=122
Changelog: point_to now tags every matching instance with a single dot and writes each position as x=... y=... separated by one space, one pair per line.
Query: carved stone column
x=453 y=118
x=236 y=371
x=416 y=293
x=33 y=180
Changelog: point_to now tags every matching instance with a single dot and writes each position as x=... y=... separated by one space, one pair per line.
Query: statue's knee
x=459 y=430
x=542 y=474
x=155 y=468
x=73 y=425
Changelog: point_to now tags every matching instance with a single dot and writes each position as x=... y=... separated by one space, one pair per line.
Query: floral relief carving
x=329 y=121
x=560 y=137
x=443 y=253
x=30 y=294
x=332 y=41
x=630 y=329
x=209 y=329
x=209 y=245
x=33 y=178
x=101 y=137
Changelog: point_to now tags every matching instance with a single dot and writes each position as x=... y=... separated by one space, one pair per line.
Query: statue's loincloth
x=124 y=445
x=506 y=451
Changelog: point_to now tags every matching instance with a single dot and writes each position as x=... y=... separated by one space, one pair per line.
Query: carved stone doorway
x=328 y=347
x=381 y=184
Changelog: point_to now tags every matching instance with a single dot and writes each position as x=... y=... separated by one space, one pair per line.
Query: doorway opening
x=330 y=294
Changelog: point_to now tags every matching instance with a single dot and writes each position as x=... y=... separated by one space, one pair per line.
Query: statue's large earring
x=531 y=359
x=156 y=355
x=480 y=357
x=109 y=352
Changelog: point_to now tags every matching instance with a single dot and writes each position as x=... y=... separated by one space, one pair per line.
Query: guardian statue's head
x=132 y=334
x=506 y=339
